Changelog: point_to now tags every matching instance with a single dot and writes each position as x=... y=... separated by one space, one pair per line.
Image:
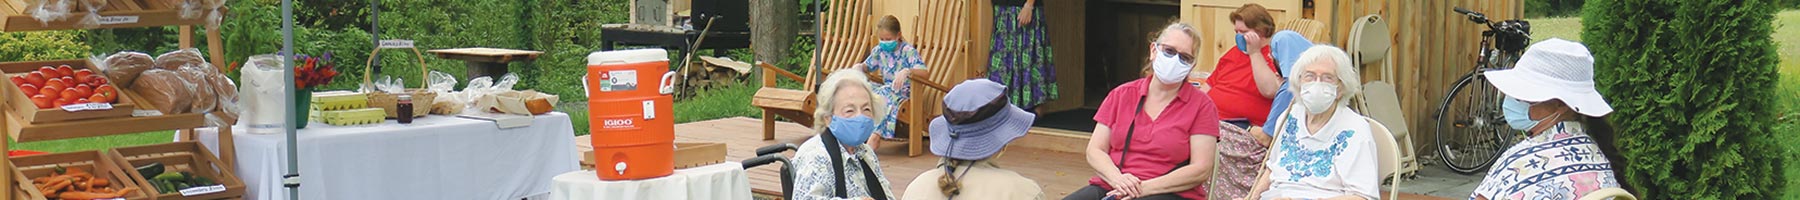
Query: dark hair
x=1256 y=17
x=1601 y=131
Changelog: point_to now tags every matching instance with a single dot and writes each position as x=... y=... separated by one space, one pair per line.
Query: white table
x=436 y=157
x=718 y=181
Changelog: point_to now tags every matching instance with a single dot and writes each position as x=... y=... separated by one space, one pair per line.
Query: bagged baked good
x=165 y=90
x=122 y=68
x=174 y=60
x=205 y=99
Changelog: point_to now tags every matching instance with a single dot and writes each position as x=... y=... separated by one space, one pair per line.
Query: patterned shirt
x=814 y=179
x=1338 y=159
x=1561 y=163
x=904 y=56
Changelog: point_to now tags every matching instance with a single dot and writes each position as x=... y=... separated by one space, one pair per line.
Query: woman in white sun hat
x=1557 y=159
x=976 y=126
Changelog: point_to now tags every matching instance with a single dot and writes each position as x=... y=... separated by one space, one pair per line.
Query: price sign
x=396 y=44
x=87 y=106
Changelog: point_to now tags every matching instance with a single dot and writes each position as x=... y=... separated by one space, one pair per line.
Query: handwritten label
x=396 y=44
x=112 y=20
x=87 y=106
x=145 y=113
x=202 y=190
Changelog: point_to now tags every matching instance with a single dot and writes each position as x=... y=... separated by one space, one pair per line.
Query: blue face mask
x=1242 y=46
x=1518 y=114
x=852 y=131
x=888 y=45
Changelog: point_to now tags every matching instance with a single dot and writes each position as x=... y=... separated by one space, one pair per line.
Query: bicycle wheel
x=1471 y=131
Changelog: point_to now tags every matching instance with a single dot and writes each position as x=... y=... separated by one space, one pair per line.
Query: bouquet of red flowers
x=313 y=71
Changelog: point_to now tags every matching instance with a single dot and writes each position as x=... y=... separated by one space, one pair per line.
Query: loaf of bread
x=122 y=68
x=175 y=59
x=205 y=99
x=165 y=90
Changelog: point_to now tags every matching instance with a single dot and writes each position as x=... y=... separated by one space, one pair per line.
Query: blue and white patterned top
x=1561 y=163
x=889 y=63
x=1338 y=159
x=814 y=180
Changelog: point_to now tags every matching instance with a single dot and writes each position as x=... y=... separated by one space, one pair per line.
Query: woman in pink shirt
x=1155 y=138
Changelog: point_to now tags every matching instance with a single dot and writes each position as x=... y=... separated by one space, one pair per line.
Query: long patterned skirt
x=1021 y=57
x=1240 y=159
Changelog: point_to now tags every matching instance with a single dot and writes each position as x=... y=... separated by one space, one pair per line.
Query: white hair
x=829 y=89
x=1349 y=82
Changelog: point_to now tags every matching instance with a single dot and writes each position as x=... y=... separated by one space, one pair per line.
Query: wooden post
x=187 y=37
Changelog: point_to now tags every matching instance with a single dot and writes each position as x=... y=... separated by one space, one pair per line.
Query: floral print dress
x=903 y=57
x=1561 y=163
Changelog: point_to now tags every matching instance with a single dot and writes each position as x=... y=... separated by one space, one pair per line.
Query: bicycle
x=1471 y=129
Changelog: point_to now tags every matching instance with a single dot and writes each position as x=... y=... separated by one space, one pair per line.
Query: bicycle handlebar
x=1464 y=11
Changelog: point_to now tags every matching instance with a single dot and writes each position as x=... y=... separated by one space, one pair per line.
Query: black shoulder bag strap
x=1131 y=130
x=837 y=166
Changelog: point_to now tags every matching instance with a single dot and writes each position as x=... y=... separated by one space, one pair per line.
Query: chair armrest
x=922 y=77
x=770 y=72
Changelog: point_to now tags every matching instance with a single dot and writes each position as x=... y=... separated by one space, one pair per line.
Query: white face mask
x=1317 y=96
x=1169 y=68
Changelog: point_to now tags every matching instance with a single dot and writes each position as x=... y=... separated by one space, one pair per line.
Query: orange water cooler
x=631 y=113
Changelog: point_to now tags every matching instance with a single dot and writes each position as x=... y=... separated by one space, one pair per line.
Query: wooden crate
x=188 y=154
x=689 y=155
x=19 y=191
x=141 y=13
x=28 y=112
x=28 y=167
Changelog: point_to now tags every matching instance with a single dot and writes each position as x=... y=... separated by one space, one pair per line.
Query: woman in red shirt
x=1163 y=147
x=1244 y=84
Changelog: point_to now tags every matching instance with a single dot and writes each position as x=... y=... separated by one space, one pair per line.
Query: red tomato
x=19 y=80
x=42 y=101
x=49 y=72
x=52 y=91
x=56 y=83
x=95 y=79
x=35 y=78
x=84 y=90
x=100 y=98
x=65 y=70
x=69 y=80
x=29 y=89
x=83 y=72
x=71 y=94
x=60 y=102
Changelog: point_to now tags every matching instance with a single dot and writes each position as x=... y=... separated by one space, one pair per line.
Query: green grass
x=95 y=143
x=1567 y=28
x=731 y=101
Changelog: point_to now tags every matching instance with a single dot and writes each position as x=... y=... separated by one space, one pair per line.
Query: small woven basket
x=422 y=99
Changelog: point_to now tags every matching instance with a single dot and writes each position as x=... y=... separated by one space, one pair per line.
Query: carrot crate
x=33 y=170
x=179 y=157
x=23 y=106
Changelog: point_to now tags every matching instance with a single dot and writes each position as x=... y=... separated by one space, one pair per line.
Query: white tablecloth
x=718 y=181
x=437 y=157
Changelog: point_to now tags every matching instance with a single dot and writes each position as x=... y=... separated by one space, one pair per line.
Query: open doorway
x=1117 y=39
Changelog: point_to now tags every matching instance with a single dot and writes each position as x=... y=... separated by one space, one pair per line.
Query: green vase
x=302 y=105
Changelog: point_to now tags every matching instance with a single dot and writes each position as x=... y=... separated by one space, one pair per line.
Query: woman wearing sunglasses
x=1154 y=137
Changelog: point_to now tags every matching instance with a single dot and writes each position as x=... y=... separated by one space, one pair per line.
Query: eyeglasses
x=1311 y=76
x=1169 y=50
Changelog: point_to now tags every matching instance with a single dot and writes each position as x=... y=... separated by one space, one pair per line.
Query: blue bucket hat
x=977 y=121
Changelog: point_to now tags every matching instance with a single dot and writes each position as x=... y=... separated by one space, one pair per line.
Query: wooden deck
x=1049 y=156
x=1059 y=172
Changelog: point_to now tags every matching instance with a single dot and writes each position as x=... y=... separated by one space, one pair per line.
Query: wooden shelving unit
x=121 y=14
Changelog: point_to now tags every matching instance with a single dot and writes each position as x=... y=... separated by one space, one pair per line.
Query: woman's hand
x=900 y=78
x=1255 y=40
x=1128 y=184
x=1261 y=135
x=1025 y=15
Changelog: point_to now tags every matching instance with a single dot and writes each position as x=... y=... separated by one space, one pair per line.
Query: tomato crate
x=23 y=107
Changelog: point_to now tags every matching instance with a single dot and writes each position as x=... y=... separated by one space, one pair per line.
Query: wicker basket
x=422 y=99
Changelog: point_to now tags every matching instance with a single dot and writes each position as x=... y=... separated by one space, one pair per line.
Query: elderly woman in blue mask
x=1553 y=89
x=838 y=163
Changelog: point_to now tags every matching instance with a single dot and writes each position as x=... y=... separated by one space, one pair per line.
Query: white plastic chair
x=1387 y=153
